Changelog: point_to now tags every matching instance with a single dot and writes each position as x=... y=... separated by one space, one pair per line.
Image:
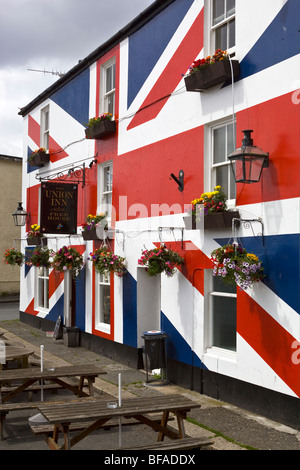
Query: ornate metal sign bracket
x=69 y=174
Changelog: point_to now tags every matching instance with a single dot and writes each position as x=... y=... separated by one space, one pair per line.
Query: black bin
x=154 y=353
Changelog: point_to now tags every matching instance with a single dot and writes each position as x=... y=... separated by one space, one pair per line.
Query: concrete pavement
x=229 y=427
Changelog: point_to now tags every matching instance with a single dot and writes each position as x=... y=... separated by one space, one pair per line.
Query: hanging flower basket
x=213 y=205
x=13 y=257
x=101 y=127
x=34 y=236
x=160 y=260
x=40 y=257
x=211 y=71
x=236 y=266
x=105 y=261
x=39 y=158
x=67 y=259
x=89 y=228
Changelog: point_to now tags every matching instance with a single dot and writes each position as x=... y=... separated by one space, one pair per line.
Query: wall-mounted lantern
x=248 y=161
x=20 y=216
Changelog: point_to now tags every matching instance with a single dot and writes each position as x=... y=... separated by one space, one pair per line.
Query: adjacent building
x=10 y=195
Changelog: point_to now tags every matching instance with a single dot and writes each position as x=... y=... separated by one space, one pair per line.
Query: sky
x=51 y=36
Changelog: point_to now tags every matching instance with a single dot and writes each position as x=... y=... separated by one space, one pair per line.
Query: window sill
x=103 y=328
x=221 y=354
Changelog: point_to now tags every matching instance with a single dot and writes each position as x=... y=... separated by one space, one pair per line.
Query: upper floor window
x=223 y=24
x=221 y=140
x=107 y=87
x=105 y=188
x=45 y=128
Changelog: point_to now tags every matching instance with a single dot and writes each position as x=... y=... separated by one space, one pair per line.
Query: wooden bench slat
x=185 y=443
x=49 y=428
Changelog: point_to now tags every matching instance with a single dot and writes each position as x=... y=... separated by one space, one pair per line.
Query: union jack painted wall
x=161 y=129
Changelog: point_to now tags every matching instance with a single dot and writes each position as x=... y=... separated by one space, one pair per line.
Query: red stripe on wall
x=55 y=150
x=195 y=261
x=273 y=132
x=171 y=76
x=269 y=340
x=30 y=309
x=55 y=279
x=34 y=130
x=151 y=191
x=32 y=205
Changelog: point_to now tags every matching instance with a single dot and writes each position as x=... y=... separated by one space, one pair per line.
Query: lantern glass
x=20 y=216
x=248 y=161
x=247 y=169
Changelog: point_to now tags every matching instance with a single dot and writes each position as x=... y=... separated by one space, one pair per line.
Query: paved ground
x=230 y=428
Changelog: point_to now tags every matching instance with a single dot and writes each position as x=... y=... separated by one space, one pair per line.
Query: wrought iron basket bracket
x=247 y=223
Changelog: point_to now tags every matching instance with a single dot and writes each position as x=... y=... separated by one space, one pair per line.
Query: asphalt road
x=9 y=311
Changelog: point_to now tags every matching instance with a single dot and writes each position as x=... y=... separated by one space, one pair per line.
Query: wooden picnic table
x=12 y=353
x=57 y=375
x=96 y=414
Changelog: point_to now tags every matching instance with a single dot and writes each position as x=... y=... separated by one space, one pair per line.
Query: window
x=45 y=128
x=107 y=94
x=222 y=312
x=105 y=188
x=222 y=138
x=103 y=302
x=223 y=24
x=42 y=288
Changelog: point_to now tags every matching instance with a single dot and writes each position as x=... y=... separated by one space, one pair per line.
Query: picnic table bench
x=97 y=415
x=58 y=375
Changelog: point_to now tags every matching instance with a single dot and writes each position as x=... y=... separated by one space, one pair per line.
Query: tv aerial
x=60 y=74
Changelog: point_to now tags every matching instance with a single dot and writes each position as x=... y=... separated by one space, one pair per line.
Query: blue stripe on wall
x=280 y=257
x=129 y=310
x=30 y=168
x=58 y=309
x=80 y=300
x=177 y=347
x=74 y=97
x=280 y=41
x=158 y=33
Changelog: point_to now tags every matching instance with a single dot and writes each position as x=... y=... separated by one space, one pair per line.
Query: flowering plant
x=67 y=259
x=13 y=257
x=39 y=257
x=105 y=261
x=35 y=231
x=102 y=117
x=92 y=221
x=236 y=266
x=160 y=260
x=214 y=201
x=209 y=60
x=33 y=154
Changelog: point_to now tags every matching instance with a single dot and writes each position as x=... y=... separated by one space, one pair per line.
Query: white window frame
x=105 y=193
x=209 y=293
x=101 y=280
x=45 y=127
x=210 y=179
x=210 y=29
x=37 y=300
x=104 y=94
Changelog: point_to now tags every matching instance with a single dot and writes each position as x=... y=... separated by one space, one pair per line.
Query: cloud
x=51 y=36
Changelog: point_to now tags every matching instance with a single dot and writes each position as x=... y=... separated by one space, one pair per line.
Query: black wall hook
x=179 y=180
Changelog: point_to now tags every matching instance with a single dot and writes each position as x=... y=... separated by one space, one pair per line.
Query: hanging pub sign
x=59 y=208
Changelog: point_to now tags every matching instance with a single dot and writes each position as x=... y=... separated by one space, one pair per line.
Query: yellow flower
x=252 y=257
x=217 y=188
